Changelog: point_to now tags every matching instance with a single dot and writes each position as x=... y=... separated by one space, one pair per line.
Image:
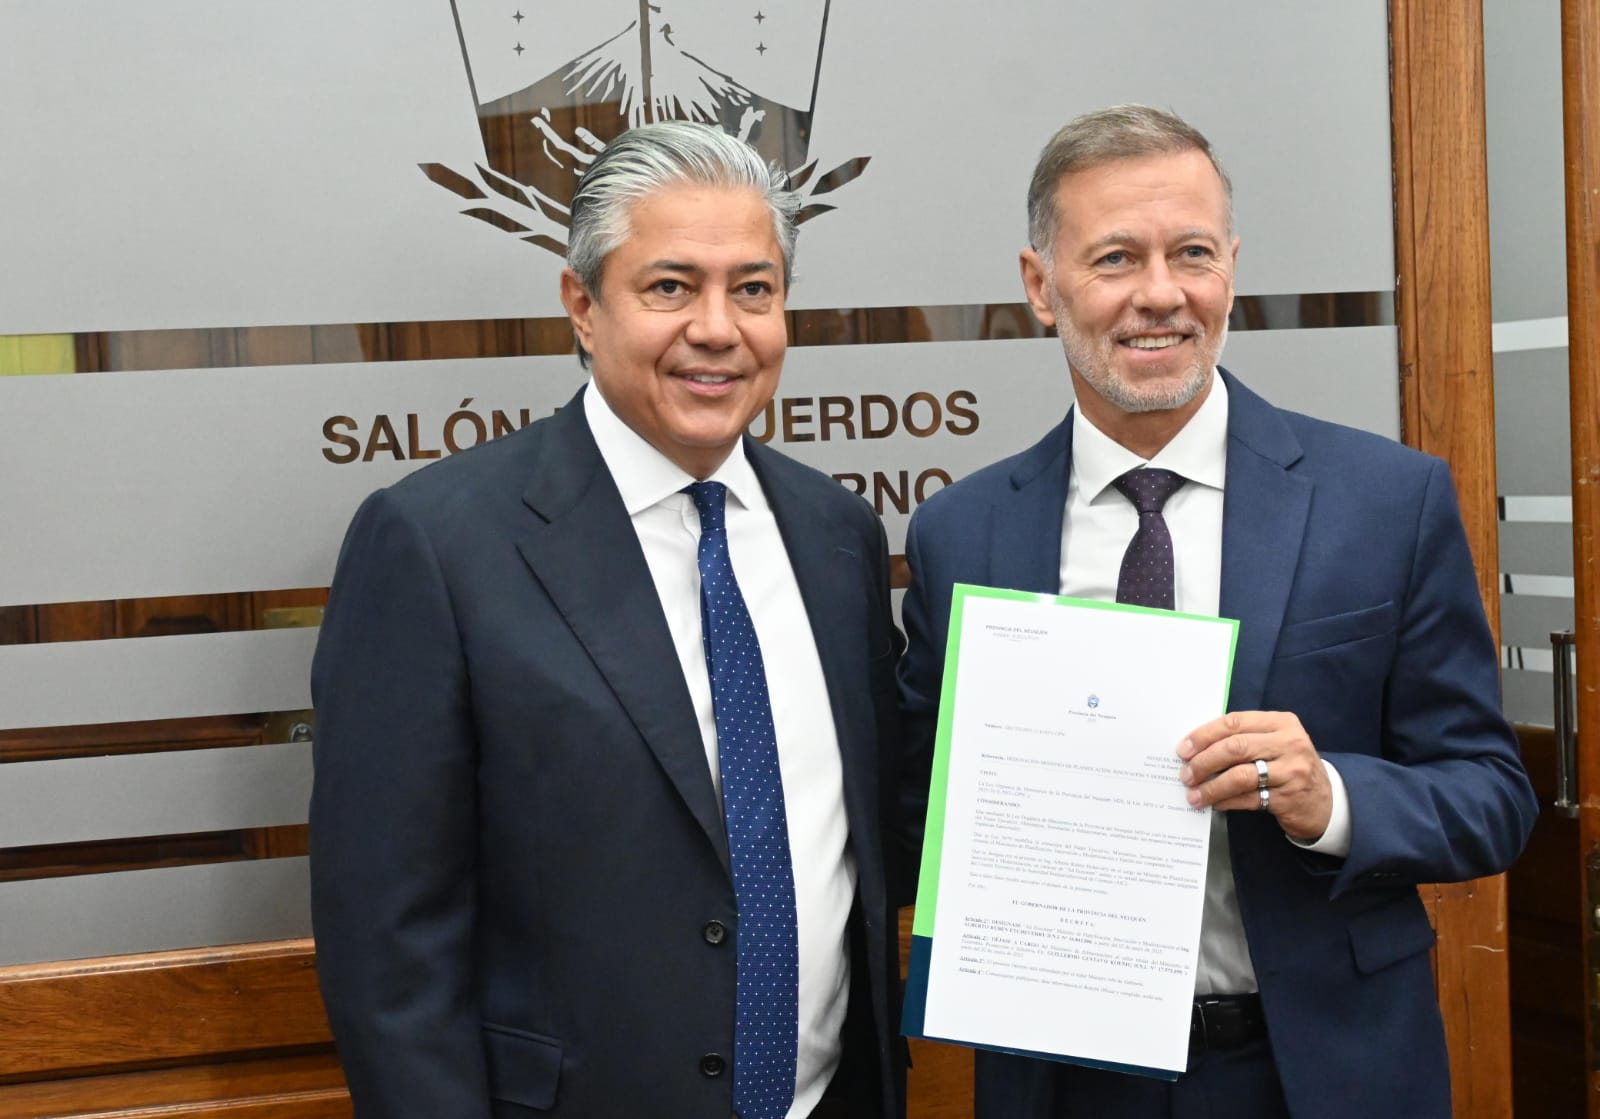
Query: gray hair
x=1106 y=136
x=652 y=156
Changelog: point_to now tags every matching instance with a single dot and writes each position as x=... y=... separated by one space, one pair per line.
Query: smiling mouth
x=1154 y=342
x=708 y=378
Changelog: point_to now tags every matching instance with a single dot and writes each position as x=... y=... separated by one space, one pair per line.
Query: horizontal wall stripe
x=202 y=482
x=899 y=573
x=150 y=485
x=1548 y=586
x=1528 y=620
x=83 y=799
x=160 y=616
x=77 y=682
x=1531 y=658
x=154 y=910
x=1321 y=311
x=41 y=744
x=232 y=347
x=1533 y=548
x=1530 y=334
x=1555 y=508
x=60 y=860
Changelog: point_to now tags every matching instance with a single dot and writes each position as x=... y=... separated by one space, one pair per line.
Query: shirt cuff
x=1336 y=840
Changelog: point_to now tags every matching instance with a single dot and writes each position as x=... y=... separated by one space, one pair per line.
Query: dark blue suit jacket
x=1344 y=560
x=517 y=853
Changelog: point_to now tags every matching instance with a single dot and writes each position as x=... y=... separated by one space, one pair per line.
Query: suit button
x=713 y=1064
x=715 y=932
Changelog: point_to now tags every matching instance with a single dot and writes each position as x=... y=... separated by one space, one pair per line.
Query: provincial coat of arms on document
x=554 y=82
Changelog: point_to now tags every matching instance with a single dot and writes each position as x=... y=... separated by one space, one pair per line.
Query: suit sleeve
x=393 y=828
x=1447 y=799
x=901 y=834
x=920 y=678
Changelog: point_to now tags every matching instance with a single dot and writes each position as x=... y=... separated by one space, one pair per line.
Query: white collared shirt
x=1096 y=530
x=668 y=527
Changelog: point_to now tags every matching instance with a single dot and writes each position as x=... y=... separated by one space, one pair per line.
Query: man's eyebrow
x=670 y=266
x=1116 y=237
x=694 y=270
x=1123 y=237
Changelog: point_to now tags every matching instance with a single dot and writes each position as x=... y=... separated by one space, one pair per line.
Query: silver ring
x=1261 y=777
x=1266 y=799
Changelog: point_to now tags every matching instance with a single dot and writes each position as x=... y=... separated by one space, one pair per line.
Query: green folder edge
x=915 y=1007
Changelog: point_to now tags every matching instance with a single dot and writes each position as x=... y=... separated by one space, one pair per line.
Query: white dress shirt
x=668 y=526
x=1098 y=526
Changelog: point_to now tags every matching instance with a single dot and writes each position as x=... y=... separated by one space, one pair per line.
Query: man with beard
x=1363 y=751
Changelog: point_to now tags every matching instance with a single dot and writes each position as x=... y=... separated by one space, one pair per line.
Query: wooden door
x=1447 y=401
x=1581 y=74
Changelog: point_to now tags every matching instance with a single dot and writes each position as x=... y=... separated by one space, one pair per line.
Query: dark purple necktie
x=1146 y=577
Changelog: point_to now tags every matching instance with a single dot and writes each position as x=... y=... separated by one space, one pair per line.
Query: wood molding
x=1580 y=42
x=309 y=1087
x=122 y=1013
x=1447 y=408
x=196 y=1035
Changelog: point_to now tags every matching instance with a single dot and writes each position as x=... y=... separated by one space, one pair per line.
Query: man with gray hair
x=1363 y=751
x=607 y=740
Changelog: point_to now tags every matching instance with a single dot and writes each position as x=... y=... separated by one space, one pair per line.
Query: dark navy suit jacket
x=1345 y=562
x=517 y=854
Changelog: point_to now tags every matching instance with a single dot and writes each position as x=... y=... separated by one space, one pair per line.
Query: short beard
x=1091 y=360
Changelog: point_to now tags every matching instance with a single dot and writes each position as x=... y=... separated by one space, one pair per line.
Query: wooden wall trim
x=128 y=1012
x=303 y=1087
x=1447 y=407
x=1580 y=66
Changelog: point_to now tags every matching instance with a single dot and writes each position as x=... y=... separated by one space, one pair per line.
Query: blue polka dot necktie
x=1146 y=576
x=766 y=1015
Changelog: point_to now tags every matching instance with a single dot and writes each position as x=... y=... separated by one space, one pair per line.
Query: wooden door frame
x=1447 y=408
x=1580 y=68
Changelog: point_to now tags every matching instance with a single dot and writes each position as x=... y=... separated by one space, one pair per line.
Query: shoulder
x=1324 y=451
x=476 y=485
x=1360 y=458
x=972 y=495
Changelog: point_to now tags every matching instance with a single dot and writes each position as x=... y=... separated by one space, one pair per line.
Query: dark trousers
x=838 y=1108
x=1237 y=1083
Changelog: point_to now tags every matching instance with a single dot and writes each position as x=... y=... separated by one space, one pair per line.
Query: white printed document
x=1063 y=871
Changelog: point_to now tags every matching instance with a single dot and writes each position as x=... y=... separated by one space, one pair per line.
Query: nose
x=1158 y=292
x=711 y=324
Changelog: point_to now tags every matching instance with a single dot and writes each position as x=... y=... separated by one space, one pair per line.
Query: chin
x=1161 y=395
x=709 y=442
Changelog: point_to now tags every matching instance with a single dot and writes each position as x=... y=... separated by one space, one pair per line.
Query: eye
x=1195 y=252
x=668 y=286
x=1114 y=259
x=754 y=289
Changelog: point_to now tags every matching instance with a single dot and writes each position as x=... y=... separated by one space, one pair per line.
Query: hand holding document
x=1058 y=912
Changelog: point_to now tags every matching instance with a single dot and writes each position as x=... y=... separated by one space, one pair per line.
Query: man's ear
x=1233 y=269
x=1035 y=277
x=580 y=303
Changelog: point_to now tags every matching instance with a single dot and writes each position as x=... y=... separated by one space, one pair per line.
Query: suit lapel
x=1025 y=523
x=586 y=555
x=1264 y=512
